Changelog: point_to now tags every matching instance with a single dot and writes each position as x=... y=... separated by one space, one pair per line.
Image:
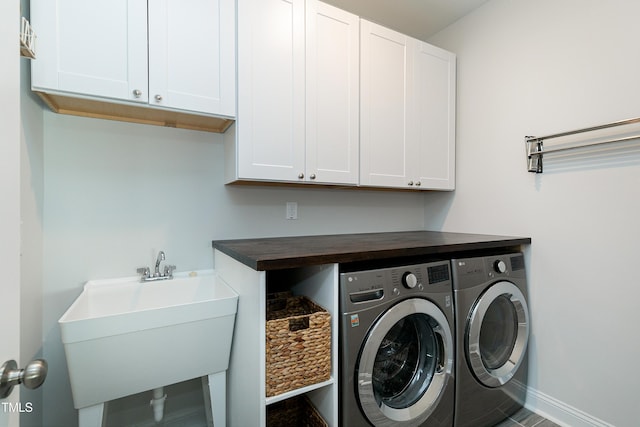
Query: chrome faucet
x=167 y=273
x=159 y=259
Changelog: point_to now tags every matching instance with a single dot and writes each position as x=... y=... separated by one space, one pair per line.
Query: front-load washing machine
x=396 y=346
x=492 y=331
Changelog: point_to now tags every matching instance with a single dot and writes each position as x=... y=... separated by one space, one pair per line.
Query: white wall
x=116 y=193
x=536 y=68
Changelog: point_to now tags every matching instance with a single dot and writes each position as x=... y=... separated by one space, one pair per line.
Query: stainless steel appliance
x=396 y=346
x=492 y=331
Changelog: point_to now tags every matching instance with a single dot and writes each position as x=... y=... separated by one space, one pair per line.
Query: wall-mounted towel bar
x=536 y=151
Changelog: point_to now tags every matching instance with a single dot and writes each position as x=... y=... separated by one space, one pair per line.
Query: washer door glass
x=497 y=334
x=405 y=363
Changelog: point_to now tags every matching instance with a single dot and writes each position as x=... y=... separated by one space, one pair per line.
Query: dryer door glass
x=405 y=363
x=497 y=334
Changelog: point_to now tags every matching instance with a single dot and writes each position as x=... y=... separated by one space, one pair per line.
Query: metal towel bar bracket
x=536 y=151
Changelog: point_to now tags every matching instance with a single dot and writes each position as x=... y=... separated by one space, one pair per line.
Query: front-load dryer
x=492 y=332
x=396 y=347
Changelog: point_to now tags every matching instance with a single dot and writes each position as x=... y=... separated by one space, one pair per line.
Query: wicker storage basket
x=297 y=411
x=298 y=343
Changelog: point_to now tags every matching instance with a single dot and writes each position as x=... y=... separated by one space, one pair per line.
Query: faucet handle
x=168 y=270
x=144 y=271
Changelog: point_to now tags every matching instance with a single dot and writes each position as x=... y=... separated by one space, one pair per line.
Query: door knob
x=32 y=376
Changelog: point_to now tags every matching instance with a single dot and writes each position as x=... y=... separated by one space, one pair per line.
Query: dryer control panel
x=470 y=272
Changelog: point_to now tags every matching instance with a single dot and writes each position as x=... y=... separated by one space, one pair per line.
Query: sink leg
x=91 y=416
x=215 y=391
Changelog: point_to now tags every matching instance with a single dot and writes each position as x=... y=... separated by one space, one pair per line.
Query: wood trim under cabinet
x=135 y=114
x=240 y=182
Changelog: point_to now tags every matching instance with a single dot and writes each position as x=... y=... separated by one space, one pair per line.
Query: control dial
x=409 y=280
x=500 y=266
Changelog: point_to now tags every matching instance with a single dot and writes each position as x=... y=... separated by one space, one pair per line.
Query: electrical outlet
x=292 y=210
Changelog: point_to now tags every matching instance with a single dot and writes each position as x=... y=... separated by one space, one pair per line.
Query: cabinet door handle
x=300 y=176
x=158 y=98
x=137 y=93
x=418 y=184
x=410 y=183
x=312 y=176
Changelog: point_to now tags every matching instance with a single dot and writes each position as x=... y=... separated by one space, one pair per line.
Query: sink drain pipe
x=158 y=403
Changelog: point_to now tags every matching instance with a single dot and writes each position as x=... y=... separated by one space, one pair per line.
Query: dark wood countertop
x=290 y=252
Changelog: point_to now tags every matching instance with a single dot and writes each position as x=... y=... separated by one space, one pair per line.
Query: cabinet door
x=192 y=55
x=435 y=90
x=332 y=96
x=91 y=47
x=271 y=61
x=386 y=66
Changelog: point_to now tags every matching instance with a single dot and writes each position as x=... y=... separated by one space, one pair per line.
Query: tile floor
x=526 y=418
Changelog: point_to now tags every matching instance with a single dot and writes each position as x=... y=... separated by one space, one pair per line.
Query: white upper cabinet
x=407 y=105
x=191 y=66
x=435 y=94
x=332 y=95
x=99 y=49
x=270 y=125
x=93 y=48
x=297 y=92
x=385 y=106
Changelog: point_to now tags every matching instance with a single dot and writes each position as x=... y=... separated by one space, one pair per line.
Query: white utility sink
x=123 y=337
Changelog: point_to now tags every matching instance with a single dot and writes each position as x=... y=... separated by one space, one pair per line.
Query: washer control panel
x=372 y=287
x=500 y=266
x=409 y=280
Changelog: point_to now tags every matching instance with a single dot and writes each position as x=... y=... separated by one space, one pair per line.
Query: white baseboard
x=559 y=412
